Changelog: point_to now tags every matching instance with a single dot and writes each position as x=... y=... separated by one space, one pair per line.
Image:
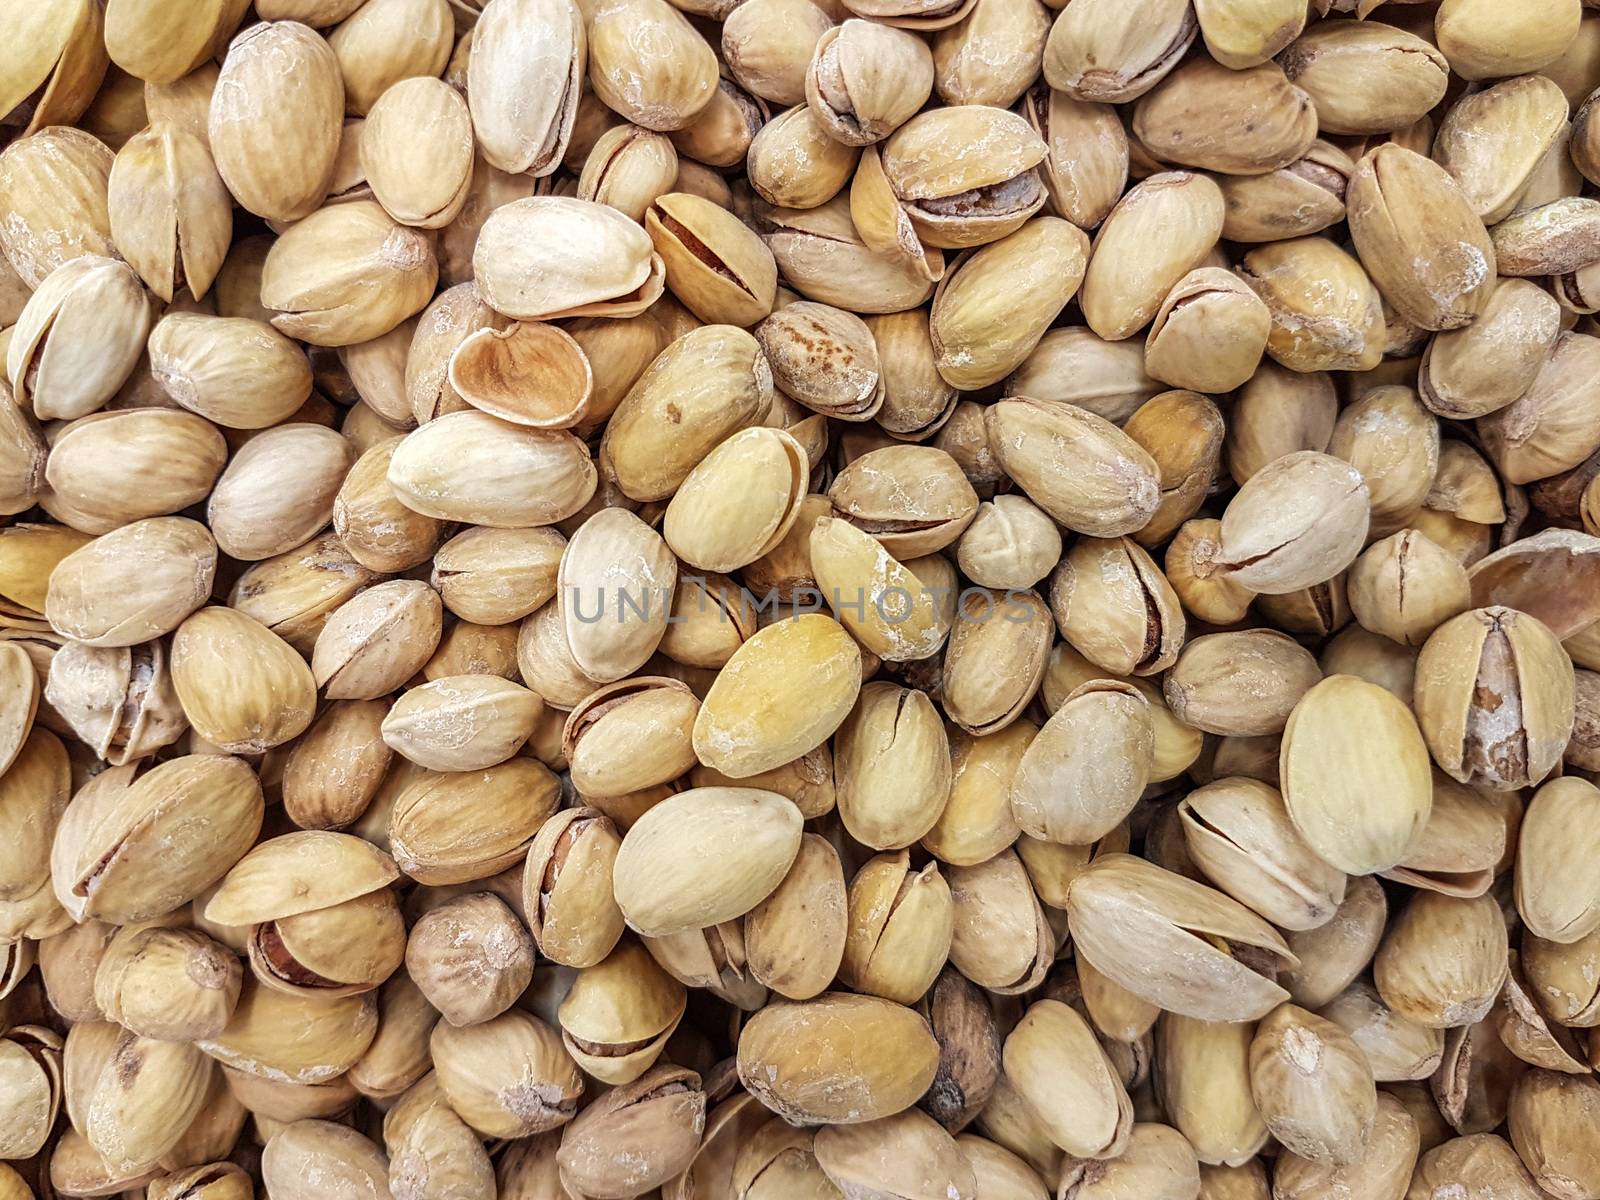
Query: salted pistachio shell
x=618 y=1014
x=794 y=161
x=1053 y=1059
x=277 y=1036
x=321 y=1159
x=1159 y=1163
x=614 y=591
x=1113 y=53
x=839 y=1058
x=202 y=361
x=892 y=767
x=1114 y=605
x=1461 y=848
x=639 y=1134
x=77 y=339
x=470 y=466
x=471 y=957
x=54 y=183
x=795 y=938
x=1086 y=162
x=1548 y=429
x=990 y=311
x=416 y=152
x=1482 y=43
x=1305 y=197
x=462 y=722
x=129 y=849
x=1556 y=897
x=1121 y=910
x=211 y=646
x=1366 y=77
x=133 y=584
x=1336 y=952
x=628 y=169
x=924 y=1159
x=567 y=889
x=261 y=507
x=1064 y=793
x=825 y=259
x=275 y=119
x=898 y=611
x=175 y=984
x=739 y=502
x=914 y=500
x=299 y=873
x=755 y=716
x=1204 y=1082
x=59 y=58
x=1483 y=367
x=1239 y=121
x=1443 y=961
x=494 y=576
x=1298 y=521
x=1179 y=212
x=335 y=769
x=1492 y=142
x=174 y=234
x=1313 y=1086
x=456 y=827
x=666 y=884
x=522 y=123
x=1209 y=333
x=717 y=266
x=867 y=79
x=648 y=63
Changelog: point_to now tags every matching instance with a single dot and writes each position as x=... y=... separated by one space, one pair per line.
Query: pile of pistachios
x=800 y=599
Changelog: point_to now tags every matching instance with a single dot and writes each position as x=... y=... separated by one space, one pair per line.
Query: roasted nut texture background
x=800 y=599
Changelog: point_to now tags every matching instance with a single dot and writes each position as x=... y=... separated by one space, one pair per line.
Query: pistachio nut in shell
x=1327 y=314
x=1159 y=1164
x=825 y=358
x=1209 y=333
x=739 y=502
x=1491 y=142
x=925 y=1159
x=462 y=722
x=1086 y=164
x=376 y=641
x=424 y=124
x=175 y=236
x=648 y=63
x=1443 y=960
x=260 y=508
x=1254 y=120
x=278 y=1036
x=1365 y=76
x=914 y=500
x=470 y=957
x=1556 y=897
x=1495 y=698
x=1113 y=53
x=756 y=716
x=508 y=1076
x=996 y=656
x=1300 y=520
x=1491 y=363
x=235 y=371
x=1158 y=935
x=1548 y=429
x=1203 y=1069
x=1541 y=576
x=1313 y=1086
x=280 y=700
x=1333 y=774
x=715 y=264
x=1482 y=43
x=839 y=1058
x=618 y=1014
x=133 y=584
x=55 y=182
x=637 y=1135
x=866 y=79
x=522 y=124
x=456 y=827
x=1053 y=1059
x=567 y=887
x=673 y=873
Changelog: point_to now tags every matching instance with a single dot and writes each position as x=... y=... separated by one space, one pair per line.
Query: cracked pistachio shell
x=1461 y=848
x=455 y=827
x=992 y=55
x=53 y=184
x=913 y=499
x=1495 y=698
x=795 y=938
x=1239 y=834
x=1491 y=142
x=1397 y=1049
x=1111 y=52
x=638 y=1135
x=908 y=1154
x=543 y=257
x=1482 y=41
x=867 y=79
x=629 y=168
x=278 y=490
x=783 y=693
x=1419 y=238
x=1159 y=1164
x=1550 y=427
x=913 y=14
x=1175 y=942
x=1443 y=961
x=497 y=576
x=174 y=984
x=203 y=363
x=1406 y=586
x=56 y=57
x=462 y=722
x=519 y=47
x=933 y=181
x=1305 y=197
x=977 y=822
x=276 y=118
x=77 y=338
x=704 y=386
x=1563 y=979
x=1298 y=521
x=471 y=957
x=614 y=592
x=824 y=258
x=1086 y=162
x=1491 y=363
x=900 y=923
x=286 y=1038
x=431 y=1150
x=347 y=274
x=1056 y=1063
x=377 y=640
x=1529 y=1034
x=630 y=735
x=1312 y=1086
x=649 y=64
x=1011 y=543
x=416 y=152
x=1116 y=608
x=218 y=645
x=1088 y=766
x=1482 y=1165
x=474 y=468
x=795 y=162
x=133 y=584
x=1002 y=940
x=1160 y=230
x=210 y=1181
x=995 y=658
x=567 y=887
x=824 y=358
x=1366 y=77
x=715 y=264
x=508 y=1077
x=119 y=701
x=990 y=311
x=1240 y=684
x=171 y=215
x=675 y=872
x=320 y=1160
x=1079 y=468
x=1335 y=953
x=1550 y=239
x=529 y=373
x=299 y=873
x=1209 y=333
x=334 y=771
x=450 y=319
x=1557 y=895
x=1327 y=314
x=899 y=611
x=892 y=766
x=739 y=502
x=129 y=849
x=1237 y=121
x=840 y=1059
x=1355 y=774
x=1203 y=1068
x=619 y=1013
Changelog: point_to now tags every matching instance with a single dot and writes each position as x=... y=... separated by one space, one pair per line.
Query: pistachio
x=523 y=125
